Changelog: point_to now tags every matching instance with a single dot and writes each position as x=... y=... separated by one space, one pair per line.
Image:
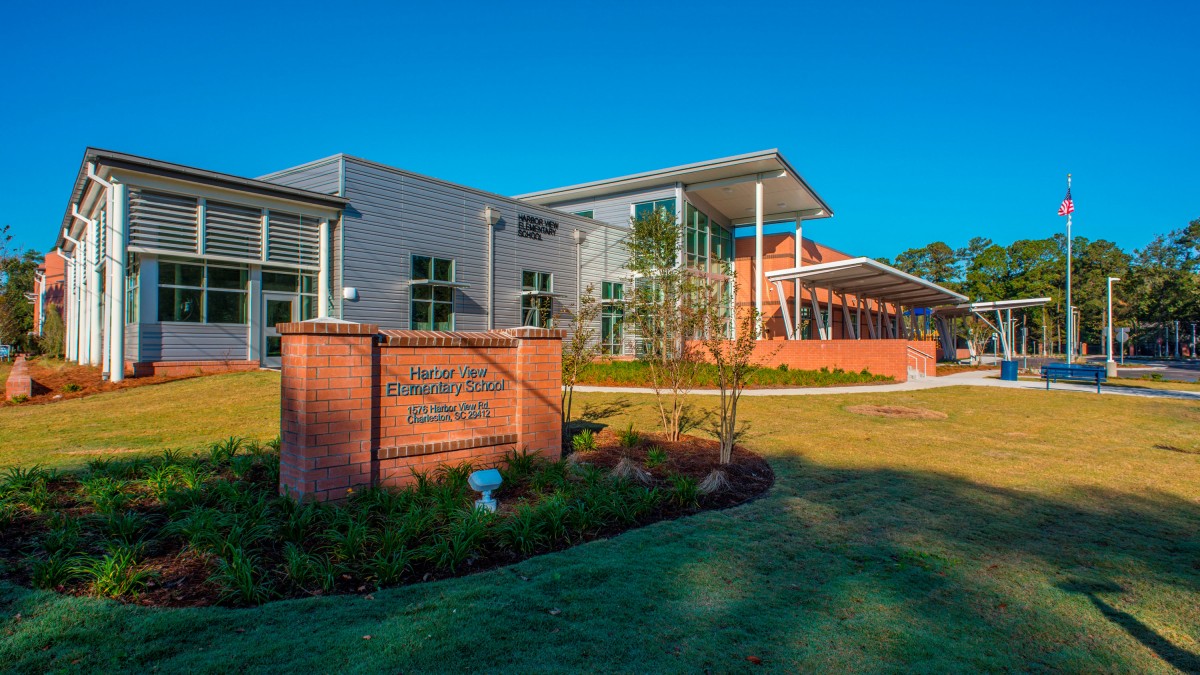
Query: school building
x=172 y=268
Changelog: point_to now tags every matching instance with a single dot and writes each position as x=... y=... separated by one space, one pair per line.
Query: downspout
x=578 y=236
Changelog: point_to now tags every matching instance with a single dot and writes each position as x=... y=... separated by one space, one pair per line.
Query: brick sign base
x=365 y=407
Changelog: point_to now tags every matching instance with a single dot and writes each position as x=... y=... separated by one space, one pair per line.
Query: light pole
x=1110 y=366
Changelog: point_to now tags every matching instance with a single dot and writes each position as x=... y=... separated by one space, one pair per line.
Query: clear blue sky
x=914 y=121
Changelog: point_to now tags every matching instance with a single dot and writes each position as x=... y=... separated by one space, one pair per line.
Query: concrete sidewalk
x=974 y=378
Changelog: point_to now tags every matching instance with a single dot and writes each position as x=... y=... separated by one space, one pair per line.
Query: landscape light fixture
x=485 y=481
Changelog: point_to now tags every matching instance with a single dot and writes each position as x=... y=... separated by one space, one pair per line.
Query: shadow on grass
x=836 y=568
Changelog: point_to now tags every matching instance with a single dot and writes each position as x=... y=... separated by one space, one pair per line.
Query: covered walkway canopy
x=873 y=286
x=1004 y=326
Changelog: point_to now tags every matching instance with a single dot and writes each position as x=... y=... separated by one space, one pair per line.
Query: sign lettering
x=533 y=227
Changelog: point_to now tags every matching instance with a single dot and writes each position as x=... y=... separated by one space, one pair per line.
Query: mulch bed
x=749 y=474
x=183 y=576
x=50 y=378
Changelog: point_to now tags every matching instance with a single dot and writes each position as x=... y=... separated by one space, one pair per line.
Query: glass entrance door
x=277 y=308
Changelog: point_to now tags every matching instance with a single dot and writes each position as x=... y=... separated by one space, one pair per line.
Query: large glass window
x=198 y=293
x=646 y=208
x=536 y=299
x=132 y=281
x=708 y=245
x=431 y=302
x=301 y=283
x=612 y=316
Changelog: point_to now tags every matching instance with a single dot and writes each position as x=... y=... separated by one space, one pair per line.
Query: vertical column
x=539 y=401
x=323 y=274
x=326 y=405
x=116 y=324
x=797 y=262
x=758 y=246
x=94 y=298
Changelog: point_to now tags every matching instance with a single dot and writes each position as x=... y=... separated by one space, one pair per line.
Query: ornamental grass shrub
x=118 y=529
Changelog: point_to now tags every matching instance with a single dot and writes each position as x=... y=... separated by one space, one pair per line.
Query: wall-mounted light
x=350 y=293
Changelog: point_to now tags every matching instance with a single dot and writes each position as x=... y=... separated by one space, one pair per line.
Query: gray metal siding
x=323 y=175
x=192 y=342
x=131 y=342
x=614 y=209
x=394 y=214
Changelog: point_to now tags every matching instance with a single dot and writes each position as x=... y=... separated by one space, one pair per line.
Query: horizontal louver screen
x=162 y=221
x=293 y=239
x=232 y=230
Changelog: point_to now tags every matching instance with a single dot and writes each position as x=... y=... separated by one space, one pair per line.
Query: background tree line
x=1160 y=284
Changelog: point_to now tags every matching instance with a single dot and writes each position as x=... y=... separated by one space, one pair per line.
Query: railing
x=920 y=361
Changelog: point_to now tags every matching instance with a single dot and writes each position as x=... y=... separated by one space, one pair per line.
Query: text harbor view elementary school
x=171 y=268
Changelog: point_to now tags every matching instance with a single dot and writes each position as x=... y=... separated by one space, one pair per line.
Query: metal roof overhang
x=727 y=184
x=120 y=160
x=870 y=279
x=992 y=306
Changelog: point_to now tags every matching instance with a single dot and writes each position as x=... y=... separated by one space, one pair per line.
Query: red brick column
x=326 y=408
x=539 y=408
x=360 y=407
x=19 y=383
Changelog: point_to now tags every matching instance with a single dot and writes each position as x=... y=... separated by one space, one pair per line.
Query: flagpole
x=1070 y=309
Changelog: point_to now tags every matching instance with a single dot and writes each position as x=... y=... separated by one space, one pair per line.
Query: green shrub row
x=637 y=374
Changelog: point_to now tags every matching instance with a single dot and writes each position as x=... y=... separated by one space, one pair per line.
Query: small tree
x=734 y=358
x=53 y=336
x=581 y=348
x=663 y=313
x=977 y=332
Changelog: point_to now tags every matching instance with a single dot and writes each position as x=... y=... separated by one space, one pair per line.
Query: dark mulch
x=50 y=378
x=749 y=474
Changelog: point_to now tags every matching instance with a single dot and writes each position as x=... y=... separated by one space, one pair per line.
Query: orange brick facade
x=362 y=407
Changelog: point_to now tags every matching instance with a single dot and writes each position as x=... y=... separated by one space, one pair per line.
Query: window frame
x=434 y=284
x=612 y=317
x=205 y=290
x=668 y=203
x=537 y=295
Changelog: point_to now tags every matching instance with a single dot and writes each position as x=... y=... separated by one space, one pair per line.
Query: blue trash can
x=1008 y=370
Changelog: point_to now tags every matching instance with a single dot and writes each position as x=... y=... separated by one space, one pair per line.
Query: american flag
x=1067 y=205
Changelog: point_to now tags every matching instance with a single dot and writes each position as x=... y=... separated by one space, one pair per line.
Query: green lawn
x=1027 y=531
x=186 y=414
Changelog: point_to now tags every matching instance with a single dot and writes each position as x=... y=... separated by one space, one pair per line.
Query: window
x=132 y=278
x=198 y=293
x=536 y=299
x=301 y=283
x=612 y=317
x=708 y=245
x=431 y=304
x=646 y=208
x=586 y=214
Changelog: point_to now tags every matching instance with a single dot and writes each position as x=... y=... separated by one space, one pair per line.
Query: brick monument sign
x=362 y=407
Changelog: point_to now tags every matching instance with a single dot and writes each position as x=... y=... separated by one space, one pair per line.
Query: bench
x=1053 y=372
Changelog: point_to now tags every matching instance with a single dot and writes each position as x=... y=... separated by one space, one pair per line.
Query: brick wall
x=19 y=382
x=362 y=407
x=179 y=368
x=880 y=357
